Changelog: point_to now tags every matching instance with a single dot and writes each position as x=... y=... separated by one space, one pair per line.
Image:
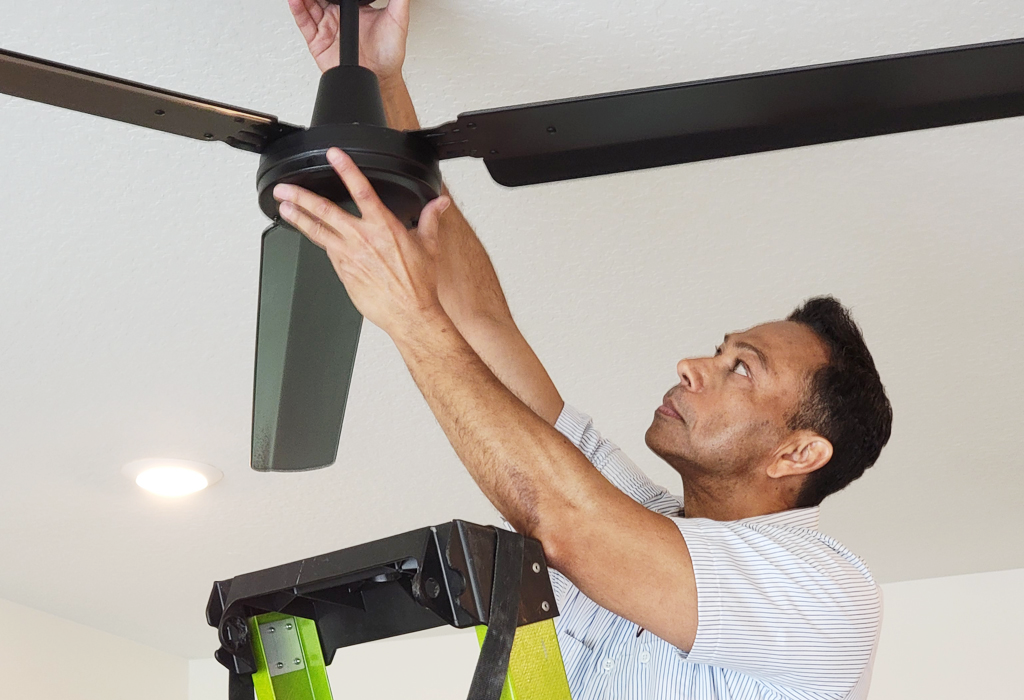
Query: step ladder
x=279 y=628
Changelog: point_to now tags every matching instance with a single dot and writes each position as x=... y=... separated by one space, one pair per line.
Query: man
x=728 y=593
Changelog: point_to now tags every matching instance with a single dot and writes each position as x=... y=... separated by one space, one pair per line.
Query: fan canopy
x=402 y=168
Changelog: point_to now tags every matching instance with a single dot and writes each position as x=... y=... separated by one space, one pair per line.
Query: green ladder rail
x=535 y=670
x=290 y=664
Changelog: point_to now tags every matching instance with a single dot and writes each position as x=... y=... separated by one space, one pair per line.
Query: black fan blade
x=688 y=122
x=306 y=338
x=93 y=93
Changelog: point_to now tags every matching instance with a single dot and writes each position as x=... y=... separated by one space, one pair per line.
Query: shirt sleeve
x=786 y=605
x=613 y=464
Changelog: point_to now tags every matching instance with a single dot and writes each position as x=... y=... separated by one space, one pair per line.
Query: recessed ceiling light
x=171 y=477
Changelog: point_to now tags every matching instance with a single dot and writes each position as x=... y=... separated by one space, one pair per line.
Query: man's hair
x=844 y=402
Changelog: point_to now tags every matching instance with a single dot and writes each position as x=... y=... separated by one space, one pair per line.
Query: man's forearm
x=471 y=295
x=398 y=107
x=535 y=477
x=467 y=284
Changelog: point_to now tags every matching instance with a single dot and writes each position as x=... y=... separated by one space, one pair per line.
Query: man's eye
x=741 y=369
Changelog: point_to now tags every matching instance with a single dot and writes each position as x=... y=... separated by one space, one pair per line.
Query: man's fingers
x=320 y=219
x=316 y=9
x=303 y=12
x=319 y=27
x=359 y=188
x=319 y=207
x=313 y=228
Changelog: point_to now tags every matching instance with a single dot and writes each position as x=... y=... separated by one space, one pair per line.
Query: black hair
x=844 y=402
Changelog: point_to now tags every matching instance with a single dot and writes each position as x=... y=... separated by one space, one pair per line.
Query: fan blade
x=306 y=338
x=93 y=93
x=688 y=122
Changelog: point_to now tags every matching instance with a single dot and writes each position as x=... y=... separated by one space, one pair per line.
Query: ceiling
x=128 y=280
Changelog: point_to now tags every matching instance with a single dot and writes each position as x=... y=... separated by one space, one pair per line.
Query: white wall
x=207 y=680
x=43 y=657
x=436 y=664
x=952 y=638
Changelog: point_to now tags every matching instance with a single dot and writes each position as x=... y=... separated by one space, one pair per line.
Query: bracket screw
x=298 y=661
x=271 y=630
x=433 y=589
x=280 y=664
x=288 y=625
x=536 y=568
x=544 y=606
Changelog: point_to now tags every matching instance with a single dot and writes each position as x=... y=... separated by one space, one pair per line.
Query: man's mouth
x=666 y=409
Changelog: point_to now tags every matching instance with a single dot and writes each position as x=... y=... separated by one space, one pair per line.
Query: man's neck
x=730 y=499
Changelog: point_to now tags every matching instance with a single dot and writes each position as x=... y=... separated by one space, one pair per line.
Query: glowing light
x=171 y=478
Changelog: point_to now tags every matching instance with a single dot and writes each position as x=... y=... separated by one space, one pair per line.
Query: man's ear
x=804 y=452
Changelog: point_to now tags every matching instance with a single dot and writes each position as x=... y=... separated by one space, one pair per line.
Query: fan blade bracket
x=260 y=137
x=451 y=140
x=80 y=90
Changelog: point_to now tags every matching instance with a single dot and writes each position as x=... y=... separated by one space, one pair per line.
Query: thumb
x=430 y=222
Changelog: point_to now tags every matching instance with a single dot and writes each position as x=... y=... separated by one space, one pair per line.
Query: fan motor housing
x=401 y=166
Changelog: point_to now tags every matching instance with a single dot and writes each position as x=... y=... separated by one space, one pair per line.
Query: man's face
x=729 y=412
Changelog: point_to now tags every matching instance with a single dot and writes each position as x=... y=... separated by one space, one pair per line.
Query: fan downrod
x=349 y=114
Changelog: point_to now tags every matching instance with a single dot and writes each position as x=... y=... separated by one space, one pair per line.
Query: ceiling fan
x=308 y=329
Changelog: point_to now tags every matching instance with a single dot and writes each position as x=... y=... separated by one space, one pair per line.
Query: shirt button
x=644 y=657
x=608 y=665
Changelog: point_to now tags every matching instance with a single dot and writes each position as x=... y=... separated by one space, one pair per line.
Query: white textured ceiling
x=128 y=273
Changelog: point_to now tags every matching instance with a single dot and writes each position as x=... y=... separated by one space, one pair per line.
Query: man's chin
x=662 y=440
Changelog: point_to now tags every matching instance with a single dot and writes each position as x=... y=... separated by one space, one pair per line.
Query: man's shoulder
x=791 y=536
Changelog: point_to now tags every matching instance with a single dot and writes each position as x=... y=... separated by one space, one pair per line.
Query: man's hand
x=382 y=35
x=390 y=273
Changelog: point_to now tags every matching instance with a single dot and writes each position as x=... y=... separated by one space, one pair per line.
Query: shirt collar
x=795 y=517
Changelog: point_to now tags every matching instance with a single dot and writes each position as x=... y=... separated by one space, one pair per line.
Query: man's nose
x=690 y=376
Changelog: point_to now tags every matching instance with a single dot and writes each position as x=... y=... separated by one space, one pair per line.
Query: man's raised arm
x=468 y=288
x=471 y=294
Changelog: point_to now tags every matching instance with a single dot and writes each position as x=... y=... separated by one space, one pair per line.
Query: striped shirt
x=783 y=611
